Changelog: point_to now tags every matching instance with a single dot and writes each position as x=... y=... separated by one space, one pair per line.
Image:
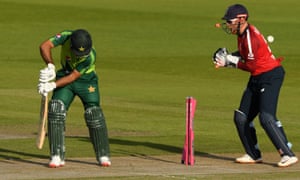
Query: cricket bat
x=42 y=122
x=188 y=149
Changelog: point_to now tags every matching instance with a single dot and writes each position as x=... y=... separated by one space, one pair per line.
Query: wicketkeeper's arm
x=223 y=59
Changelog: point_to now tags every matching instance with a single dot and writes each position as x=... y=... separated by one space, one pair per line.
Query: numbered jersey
x=256 y=53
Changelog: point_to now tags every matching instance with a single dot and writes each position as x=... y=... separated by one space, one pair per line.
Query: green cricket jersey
x=84 y=65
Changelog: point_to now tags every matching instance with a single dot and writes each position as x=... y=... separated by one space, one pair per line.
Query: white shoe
x=287 y=161
x=56 y=162
x=246 y=159
x=104 y=161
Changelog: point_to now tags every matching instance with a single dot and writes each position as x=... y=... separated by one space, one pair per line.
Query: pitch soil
x=162 y=167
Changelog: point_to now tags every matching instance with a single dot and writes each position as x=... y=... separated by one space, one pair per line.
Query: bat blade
x=42 y=122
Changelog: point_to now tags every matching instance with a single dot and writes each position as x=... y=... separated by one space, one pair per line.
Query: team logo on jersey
x=250 y=56
x=57 y=36
x=91 y=89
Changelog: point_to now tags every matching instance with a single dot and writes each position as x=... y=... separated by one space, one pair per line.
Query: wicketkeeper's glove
x=222 y=58
x=47 y=74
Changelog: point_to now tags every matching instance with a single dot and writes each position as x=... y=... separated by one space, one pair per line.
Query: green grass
x=151 y=55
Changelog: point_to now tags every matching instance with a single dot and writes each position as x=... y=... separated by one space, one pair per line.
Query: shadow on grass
x=169 y=149
x=163 y=147
x=14 y=155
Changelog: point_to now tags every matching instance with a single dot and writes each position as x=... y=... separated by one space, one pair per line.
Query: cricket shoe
x=104 y=161
x=287 y=161
x=246 y=159
x=56 y=162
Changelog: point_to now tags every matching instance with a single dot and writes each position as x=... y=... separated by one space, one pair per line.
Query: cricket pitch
x=153 y=167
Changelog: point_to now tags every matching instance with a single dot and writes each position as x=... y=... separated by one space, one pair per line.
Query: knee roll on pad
x=57 y=110
x=266 y=118
x=240 y=119
x=269 y=123
x=94 y=117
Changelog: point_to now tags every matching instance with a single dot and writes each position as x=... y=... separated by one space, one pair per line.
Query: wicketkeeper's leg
x=247 y=134
x=268 y=122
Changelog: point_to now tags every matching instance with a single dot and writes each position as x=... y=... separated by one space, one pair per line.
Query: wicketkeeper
x=77 y=77
x=261 y=94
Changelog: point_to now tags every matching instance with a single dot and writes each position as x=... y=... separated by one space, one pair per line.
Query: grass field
x=152 y=54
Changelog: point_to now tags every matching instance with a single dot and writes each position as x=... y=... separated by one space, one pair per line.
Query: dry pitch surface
x=164 y=167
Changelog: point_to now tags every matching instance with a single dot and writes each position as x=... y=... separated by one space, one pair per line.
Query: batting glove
x=222 y=59
x=45 y=88
x=47 y=74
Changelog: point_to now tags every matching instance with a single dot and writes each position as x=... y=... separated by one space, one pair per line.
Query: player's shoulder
x=64 y=33
x=61 y=37
x=254 y=29
x=92 y=54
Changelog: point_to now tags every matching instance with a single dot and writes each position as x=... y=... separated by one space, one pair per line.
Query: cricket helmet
x=235 y=11
x=81 y=42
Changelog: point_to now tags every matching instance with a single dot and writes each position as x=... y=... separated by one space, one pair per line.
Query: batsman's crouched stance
x=94 y=119
x=77 y=77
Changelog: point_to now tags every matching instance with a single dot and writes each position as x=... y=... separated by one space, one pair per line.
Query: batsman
x=77 y=77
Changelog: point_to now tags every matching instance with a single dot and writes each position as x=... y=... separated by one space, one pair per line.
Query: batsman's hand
x=45 y=88
x=47 y=74
x=222 y=58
